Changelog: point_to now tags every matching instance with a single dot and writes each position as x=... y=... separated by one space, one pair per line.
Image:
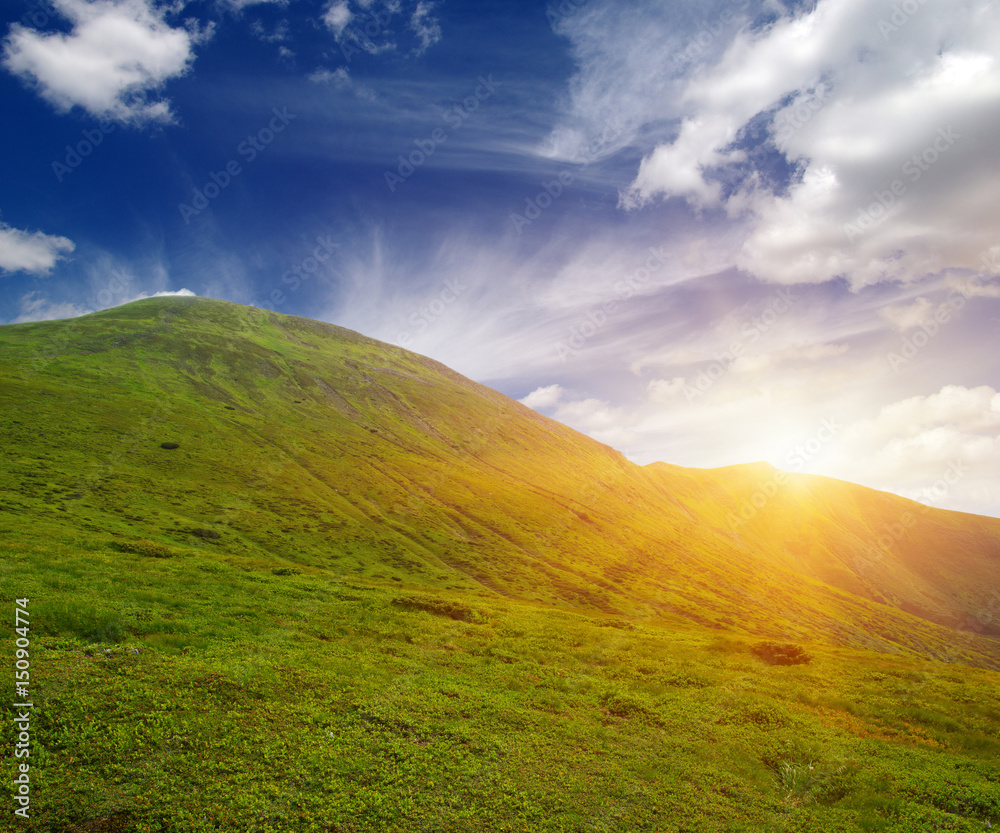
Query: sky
x=703 y=232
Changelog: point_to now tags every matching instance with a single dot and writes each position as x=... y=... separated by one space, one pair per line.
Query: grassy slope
x=943 y=566
x=304 y=442
x=274 y=670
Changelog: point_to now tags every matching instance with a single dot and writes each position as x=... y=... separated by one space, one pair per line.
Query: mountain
x=275 y=576
x=306 y=443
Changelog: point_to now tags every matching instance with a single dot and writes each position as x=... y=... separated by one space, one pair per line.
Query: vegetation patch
x=439 y=607
x=143 y=546
x=776 y=653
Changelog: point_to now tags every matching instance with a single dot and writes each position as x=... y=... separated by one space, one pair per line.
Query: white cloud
x=543 y=398
x=631 y=62
x=117 y=55
x=181 y=293
x=32 y=252
x=598 y=418
x=962 y=409
x=902 y=317
x=424 y=26
x=338 y=77
x=279 y=34
x=341 y=79
x=942 y=449
x=337 y=17
x=973 y=286
x=663 y=390
x=893 y=129
x=239 y=5
x=36 y=307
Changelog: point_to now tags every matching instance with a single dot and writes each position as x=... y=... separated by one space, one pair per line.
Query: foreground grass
x=201 y=692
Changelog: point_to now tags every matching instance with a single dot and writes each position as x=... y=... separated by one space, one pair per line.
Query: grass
x=364 y=594
x=215 y=696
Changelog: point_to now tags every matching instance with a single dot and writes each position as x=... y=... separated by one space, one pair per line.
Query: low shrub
x=142 y=546
x=775 y=653
x=439 y=607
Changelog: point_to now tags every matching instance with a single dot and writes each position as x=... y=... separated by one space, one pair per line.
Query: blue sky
x=702 y=232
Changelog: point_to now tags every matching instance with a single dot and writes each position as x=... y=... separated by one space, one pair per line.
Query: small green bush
x=439 y=607
x=143 y=546
x=775 y=653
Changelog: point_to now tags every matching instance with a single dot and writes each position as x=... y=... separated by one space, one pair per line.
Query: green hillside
x=285 y=577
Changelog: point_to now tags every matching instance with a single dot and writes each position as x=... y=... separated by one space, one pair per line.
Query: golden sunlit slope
x=302 y=443
x=943 y=566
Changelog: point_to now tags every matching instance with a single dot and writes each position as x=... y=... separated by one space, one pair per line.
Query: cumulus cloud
x=887 y=125
x=117 y=55
x=337 y=16
x=32 y=252
x=942 y=448
x=964 y=410
x=543 y=398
